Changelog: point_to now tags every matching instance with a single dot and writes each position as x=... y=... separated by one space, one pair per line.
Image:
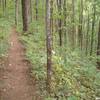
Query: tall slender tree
x=65 y=16
x=98 y=46
x=16 y=11
x=80 y=34
x=49 y=46
x=31 y=14
x=36 y=8
x=59 y=4
x=93 y=27
x=73 y=23
x=87 y=33
x=25 y=14
x=51 y=19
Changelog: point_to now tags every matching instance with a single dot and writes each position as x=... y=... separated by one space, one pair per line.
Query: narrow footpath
x=17 y=83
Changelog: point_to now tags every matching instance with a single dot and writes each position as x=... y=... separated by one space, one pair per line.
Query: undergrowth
x=74 y=76
x=5 y=26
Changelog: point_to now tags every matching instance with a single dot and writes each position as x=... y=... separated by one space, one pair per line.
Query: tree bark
x=80 y=34
x=49 y=46
x=25 y=14
x=51 y=19
x=98 y=47
x=93 y=26
x=65 y=15
x=59 y=4
x=73 y=24
x=36 y=8
x=16 y=12
x=87 y=34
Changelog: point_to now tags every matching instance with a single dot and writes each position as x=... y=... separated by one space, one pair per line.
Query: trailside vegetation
x=62 y=42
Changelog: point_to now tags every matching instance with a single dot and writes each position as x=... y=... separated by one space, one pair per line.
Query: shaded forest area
x=62 y=42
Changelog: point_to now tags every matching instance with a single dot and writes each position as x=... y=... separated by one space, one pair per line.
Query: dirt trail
x=17 y=82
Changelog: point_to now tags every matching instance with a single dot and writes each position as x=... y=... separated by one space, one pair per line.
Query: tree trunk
x=93 y=26
x=25 y=14
x=65 y=15
x=80 y=34
x=87 y=34
x=36 y=8
x=98 y=47
x=49 y=46
x=59 y=3
x=51 y=19
x=16 y=12
x=73 y=24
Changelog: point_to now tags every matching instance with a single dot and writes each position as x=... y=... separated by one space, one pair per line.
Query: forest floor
x=16 y=81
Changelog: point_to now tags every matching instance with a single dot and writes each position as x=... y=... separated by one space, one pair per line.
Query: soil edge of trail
x=17 y=81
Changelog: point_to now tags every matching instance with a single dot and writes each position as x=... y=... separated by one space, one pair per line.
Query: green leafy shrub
x=5 y=26
x=74 y=76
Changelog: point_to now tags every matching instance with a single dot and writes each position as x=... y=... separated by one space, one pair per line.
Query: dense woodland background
x=62 y=41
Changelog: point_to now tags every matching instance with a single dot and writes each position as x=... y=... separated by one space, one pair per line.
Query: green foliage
x=74 y=76
x=35 y=47
x=4 y=33
x=72 y=98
